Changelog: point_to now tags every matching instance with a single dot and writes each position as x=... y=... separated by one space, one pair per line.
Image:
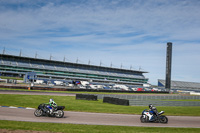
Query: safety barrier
x=86 y=97
x=150 y=97
x=157 y=100
x=134 y=102
x=116 y=101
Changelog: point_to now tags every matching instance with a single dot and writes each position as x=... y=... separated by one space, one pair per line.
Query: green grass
x=80 y=92
x=17 y=78
x=89 y=106
x=77 y=128
x=71 y=92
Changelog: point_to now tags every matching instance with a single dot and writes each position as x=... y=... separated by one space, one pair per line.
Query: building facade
x=18 y=66
x=182 y=85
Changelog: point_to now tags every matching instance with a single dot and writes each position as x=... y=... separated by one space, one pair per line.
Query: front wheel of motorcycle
x=163 y=119
x=38 y=113
x=59 y=114
x=142 y=119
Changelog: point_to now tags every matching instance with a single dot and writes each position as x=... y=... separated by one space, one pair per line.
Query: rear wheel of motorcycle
x=38 y=113
x=59 y=114
x=142 y=119
x=163 y=119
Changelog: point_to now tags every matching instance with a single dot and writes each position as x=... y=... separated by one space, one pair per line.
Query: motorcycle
x=156 y=118
x=44 y=110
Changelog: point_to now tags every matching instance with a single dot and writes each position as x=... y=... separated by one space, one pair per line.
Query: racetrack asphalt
x=19 y=114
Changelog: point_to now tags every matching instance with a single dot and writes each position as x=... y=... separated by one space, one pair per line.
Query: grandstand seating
x=180 y=84
x=70 y=70
x=61 y=68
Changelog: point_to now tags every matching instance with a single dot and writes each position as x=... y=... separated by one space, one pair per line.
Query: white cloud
x=128 y=32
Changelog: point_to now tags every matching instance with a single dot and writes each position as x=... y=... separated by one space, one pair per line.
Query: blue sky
x=122 y=32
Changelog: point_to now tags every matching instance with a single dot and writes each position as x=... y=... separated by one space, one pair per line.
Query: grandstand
x=18 y=66
x=180 y=85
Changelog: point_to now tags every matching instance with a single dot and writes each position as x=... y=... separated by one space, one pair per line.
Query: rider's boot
x=51 y=111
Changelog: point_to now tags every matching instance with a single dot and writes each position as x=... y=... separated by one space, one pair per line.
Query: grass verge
x=76 y=128
x=89 y=106
x=16 y=78
x=83 y=92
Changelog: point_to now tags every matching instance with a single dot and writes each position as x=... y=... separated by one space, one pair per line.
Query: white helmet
x=50 y=100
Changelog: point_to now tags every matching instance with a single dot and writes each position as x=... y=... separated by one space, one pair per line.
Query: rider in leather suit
x=153 y=111
x=53 y=105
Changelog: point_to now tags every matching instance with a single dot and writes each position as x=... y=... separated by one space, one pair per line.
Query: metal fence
x=148 y=97
x=163 y=103
x=157 y=100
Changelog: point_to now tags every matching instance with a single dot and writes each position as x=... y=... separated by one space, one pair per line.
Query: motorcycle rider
x=153 y=111
x=52 y=104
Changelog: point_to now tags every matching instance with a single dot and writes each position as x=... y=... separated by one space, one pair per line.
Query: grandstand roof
x=180 y=84
x=72 y=64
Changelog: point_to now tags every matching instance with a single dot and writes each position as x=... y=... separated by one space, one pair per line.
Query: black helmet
x=150 y=106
